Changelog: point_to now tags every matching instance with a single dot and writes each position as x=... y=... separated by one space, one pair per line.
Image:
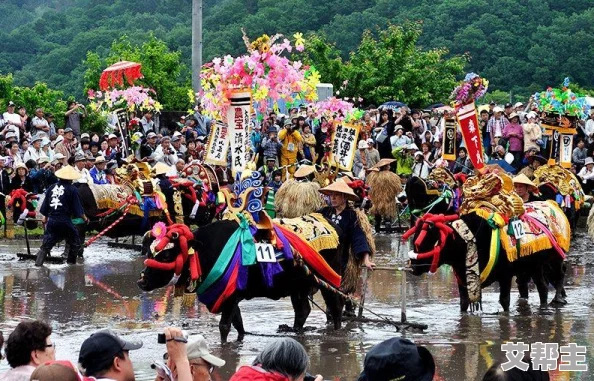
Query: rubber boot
x=41 y=254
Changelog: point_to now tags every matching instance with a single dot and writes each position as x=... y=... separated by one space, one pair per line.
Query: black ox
x=208 y=242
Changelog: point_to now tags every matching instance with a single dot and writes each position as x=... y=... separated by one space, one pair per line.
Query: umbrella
x=392 y=105
x=501 y=165
x=114 y=75
x=436 y=105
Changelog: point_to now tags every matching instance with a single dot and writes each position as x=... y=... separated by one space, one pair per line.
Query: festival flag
x=554 y=147
x=449 y=127
x=218 y=144
x=238 y=121
x=566 y=150
x=344 y=145
x=468 y=121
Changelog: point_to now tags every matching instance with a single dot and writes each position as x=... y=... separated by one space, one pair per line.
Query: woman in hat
x=21 y=178
x=354 y=238
x=532 y=132
x=534 y=161
x=399 y=139
x=34 y=152
x=308 y=145
x=97 y=173
x=60 y=205
x=514 y=133
x=525 y=188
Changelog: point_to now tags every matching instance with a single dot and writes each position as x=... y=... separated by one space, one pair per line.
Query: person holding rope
x=60 y=205
x=355 y=238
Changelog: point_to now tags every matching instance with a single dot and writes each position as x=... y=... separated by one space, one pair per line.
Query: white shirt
x=85 y=176
x=170 y=159
x=14 y=118
x=586 y=175
x=38 y=123
x=589 y=130
x=33 y=154
x=20 y=373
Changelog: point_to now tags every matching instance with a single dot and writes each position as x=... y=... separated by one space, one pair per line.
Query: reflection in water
x=79 y=300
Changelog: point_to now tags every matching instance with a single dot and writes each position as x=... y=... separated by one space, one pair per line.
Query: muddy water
x=101 y=293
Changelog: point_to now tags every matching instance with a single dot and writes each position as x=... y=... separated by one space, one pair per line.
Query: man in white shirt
x=13 y=121
x=165 y=153
x=39 y=125
x=586 y=174
x=589 y=131
x=80 y=164
x=35 y=152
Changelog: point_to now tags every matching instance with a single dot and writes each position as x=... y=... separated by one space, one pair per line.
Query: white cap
x=362 y=144
x=111 y=136
x=497 y=109
x=518 y=104
x=197 y=348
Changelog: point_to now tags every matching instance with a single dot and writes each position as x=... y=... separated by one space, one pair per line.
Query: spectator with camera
x=74 y=117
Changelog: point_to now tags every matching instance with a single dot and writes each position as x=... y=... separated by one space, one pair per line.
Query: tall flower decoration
x=265 y=70
x=135 y=98
x=471 y=89
x=562 y=101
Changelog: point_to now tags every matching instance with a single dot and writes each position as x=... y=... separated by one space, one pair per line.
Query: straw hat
x=161 y=169
x=384 y=162
x=304 y=171
x=340 y=187
x=67 y=173
x=523 y=179
x=21 y=165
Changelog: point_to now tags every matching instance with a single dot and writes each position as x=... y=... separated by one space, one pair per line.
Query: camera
x=161 y=338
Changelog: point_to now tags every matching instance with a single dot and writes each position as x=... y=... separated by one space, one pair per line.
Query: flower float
x=135 y=98
x=471 y=89
x=265 y=70
x=562 y=101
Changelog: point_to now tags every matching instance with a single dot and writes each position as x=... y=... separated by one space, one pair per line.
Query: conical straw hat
x=161 y=168
x=340 y=187
x=523 y=179
x=67 y=173
x=384 y=162
x=304 y=171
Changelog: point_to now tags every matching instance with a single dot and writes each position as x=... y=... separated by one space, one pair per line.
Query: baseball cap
x=59 y=156
x=151 y=135
x=370 y=141
x=508 y=105
x=85 y=135
x=11 y=104
x=97 y=352
x=111 y=136
x=518 y=104
x=198 y=348
x=67 y=130
x=398 y=359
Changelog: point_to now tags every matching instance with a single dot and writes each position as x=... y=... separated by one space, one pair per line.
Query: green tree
x=392 y=66
x=162 y=69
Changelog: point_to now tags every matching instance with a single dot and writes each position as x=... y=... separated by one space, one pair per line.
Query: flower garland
x=471 y=89
x=265 y=71
x=135 y=98
x=562 y=101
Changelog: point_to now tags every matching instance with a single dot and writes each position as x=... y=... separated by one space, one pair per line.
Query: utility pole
x=196 y=44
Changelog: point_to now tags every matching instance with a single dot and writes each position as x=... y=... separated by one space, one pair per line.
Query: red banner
x=469 y=126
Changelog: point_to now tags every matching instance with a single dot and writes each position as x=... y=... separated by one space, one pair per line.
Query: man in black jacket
x=4 y=187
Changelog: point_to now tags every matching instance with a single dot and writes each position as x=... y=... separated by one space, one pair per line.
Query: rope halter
x=164 y=239
x=422 y=226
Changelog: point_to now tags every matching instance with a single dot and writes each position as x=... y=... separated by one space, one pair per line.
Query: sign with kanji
x=218 y=144
x=554 y=147
x=238 y=120
x=469 y=126
x=449 y=139
x=344 y=145
x=566 y=150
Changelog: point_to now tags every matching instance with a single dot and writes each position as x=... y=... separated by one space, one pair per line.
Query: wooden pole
x=196 y=44
x=363 y=292
x=403 y=294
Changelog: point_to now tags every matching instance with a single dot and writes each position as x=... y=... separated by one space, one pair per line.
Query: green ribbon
x=78 y=221
x=444 y=195
x=248 y=256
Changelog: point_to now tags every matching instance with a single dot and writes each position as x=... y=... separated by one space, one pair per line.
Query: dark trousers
x=55 y=231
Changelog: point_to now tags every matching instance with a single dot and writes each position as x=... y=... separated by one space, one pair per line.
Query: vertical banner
x=555 y=144
x=344 y=145
x=238 y=121
x=469 y=126
x=218 y=144
x=566 y=151
x=448 y=148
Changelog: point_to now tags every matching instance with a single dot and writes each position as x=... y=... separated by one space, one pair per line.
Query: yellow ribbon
x=493 y=255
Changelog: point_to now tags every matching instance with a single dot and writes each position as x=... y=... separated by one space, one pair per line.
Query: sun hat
x=36 y=138
x=304 y=171
x=340 y=187
x=362 y=144
x=161 y=168
x=384 y=162
x=497 y=109
x=198 y=348
x=67 y=173
x=523 y=179
x=518 y=104
x=513 y=115
x=79 y=157
x=100 y=160
x=589 y=160
x=59 y=156
x=151 y=135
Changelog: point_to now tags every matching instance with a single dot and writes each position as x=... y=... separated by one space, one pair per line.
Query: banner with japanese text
x=344 y=145
x=566 y=150
x=448 y=149
x=554 y=147
x=238 y=121
x=218 y=144
x=469 y=126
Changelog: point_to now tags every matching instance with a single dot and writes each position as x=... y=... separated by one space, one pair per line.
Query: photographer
x=73 y=117
x=165 y=153
x=290 y=138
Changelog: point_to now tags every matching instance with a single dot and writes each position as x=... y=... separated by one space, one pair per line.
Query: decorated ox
x=482 y=248
x=228 y=261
